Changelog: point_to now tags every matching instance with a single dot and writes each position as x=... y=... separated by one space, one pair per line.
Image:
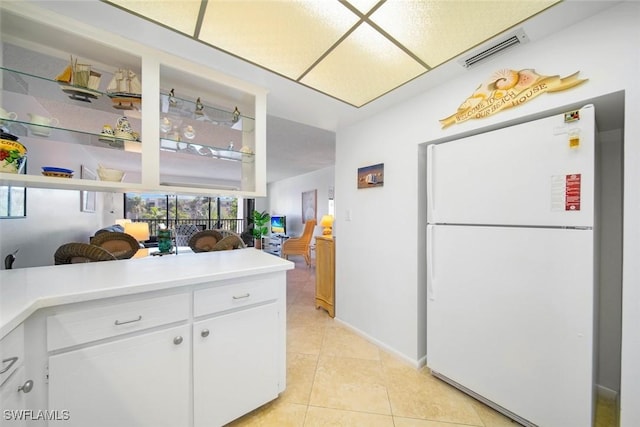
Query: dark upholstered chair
x=71 y=253
x=184 y=233
x=120 y=245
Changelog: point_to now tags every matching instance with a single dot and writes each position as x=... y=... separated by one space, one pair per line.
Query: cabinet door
x=12 y=401
x=235 y=364
x=325 y=274
x=138 y=381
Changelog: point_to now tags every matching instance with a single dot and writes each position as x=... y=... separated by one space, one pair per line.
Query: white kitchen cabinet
x=138 y=381
x=236 y=360
x=13 y=386
x=203 y=151
x=11 y=352
x=12 y=400
x=105 y=351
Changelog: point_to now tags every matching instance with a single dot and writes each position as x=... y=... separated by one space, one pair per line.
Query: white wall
x=610 y=158
x=385 y=233
x=285 y=198
x=53 y=218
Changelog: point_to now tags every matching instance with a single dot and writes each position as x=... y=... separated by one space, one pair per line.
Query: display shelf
x=78 y=136
x=218 y=142
x=202 y=112
x=27 y=83
x=224 y=154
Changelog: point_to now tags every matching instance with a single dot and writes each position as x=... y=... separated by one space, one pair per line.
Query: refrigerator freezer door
x=510 y=317
x=535 y=173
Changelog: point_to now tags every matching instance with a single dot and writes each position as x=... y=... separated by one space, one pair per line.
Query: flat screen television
x=279 y=224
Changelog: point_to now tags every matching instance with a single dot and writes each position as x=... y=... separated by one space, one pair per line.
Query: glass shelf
x=19 y=128
x=181 y=146
x=188 y=109
x=29 y=84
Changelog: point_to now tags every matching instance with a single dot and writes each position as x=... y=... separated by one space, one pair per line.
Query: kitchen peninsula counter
x=23 y=291
x=90 y=339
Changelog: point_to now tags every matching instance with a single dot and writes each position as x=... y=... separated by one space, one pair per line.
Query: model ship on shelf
x=125 y=90
x=79 y=81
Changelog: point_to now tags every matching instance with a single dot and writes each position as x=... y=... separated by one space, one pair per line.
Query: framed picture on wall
x=87 y=198
x=371 y=176
x=309 y=199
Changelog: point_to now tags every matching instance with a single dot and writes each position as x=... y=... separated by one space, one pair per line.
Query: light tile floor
x=337 y=378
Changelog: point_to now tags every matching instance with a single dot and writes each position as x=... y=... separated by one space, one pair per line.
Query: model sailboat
x=125 y=89
x=79 y=81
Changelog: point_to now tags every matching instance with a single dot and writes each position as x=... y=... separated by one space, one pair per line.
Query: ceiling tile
x=284 y=36
x=364 y=66
x=179 y=15
x=437 y=31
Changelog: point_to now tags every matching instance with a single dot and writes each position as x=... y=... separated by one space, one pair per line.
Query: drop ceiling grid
x=363 y=66
x=352 y=50
x=286 y=37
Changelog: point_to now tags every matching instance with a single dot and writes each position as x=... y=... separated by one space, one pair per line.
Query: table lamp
x=122 y=222
x=327 y=223
x=139 y=230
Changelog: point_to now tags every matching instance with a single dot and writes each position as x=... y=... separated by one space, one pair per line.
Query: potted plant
x=260 y=221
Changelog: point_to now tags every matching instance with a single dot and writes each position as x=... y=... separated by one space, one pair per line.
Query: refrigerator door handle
x=431 y=279
x=430 y=185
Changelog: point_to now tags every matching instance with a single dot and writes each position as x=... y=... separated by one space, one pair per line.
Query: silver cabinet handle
x=247 y=295
x=177 y=340
x=26 y=387
x=118 y=323
x=204 y=333
x=11 y=361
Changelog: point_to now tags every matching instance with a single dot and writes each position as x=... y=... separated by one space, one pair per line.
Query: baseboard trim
x=415 y=363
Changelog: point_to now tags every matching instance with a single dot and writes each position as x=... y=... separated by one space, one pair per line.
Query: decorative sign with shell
x=508 y=88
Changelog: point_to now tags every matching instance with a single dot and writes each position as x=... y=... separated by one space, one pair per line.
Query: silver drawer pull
x=247 y=295
x=177 y=340
x=204 y=333
x=26 y=387
x=11 y=361
x=118 y=323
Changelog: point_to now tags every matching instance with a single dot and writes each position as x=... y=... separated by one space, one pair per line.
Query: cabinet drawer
x=91 y=324
x=228 y=297
x=11 y=352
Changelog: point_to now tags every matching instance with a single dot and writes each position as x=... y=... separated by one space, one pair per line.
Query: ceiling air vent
x=516 y=38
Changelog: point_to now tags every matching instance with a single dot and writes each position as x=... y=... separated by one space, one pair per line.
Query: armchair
x=120 y=245
x=71 y=253
x=300 y=245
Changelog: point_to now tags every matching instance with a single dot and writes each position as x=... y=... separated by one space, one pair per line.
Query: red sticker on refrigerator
x=572 y=192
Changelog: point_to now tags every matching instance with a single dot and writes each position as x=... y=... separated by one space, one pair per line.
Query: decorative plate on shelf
x=5 y=135
x=57 y=172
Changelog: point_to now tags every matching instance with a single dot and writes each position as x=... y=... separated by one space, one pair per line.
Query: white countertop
x=23 y=291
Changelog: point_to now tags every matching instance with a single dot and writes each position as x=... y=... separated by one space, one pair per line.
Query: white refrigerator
x=511 y=268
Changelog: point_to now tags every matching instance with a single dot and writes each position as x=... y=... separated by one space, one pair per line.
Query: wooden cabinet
x=137 y=381
x=325 y=274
